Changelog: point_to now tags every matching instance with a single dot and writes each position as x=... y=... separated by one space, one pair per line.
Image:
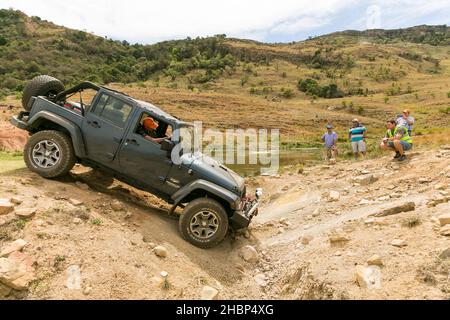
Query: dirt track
x=112 y=248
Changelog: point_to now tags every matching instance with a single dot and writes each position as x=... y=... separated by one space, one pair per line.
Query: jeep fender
x=210 y=187
x=72 y=128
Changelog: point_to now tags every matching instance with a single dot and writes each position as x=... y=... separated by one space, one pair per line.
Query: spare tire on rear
x=41 y=86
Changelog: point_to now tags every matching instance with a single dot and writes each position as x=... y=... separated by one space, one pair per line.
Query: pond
x=297 y=156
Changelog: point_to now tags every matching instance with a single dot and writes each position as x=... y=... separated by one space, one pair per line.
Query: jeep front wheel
x=204 y=223
x=49 y=153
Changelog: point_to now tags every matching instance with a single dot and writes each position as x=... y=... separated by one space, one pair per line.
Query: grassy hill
x=296 y=87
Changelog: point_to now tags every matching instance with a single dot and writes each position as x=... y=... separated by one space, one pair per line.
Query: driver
x=148 y=130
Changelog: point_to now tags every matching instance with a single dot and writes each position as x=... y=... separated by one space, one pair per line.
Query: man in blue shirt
x=357 y=136
x=330 y=139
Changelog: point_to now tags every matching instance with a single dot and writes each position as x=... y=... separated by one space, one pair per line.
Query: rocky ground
x=374 y=229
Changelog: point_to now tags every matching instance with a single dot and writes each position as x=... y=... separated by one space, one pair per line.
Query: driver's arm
x=155 y=140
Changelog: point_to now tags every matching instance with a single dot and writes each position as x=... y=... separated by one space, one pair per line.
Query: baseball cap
x=355 y=120
x=329 y=126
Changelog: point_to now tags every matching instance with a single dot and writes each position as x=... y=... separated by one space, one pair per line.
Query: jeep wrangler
x=106 y=134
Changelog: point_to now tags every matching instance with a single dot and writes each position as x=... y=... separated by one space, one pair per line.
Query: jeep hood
x=211 y=170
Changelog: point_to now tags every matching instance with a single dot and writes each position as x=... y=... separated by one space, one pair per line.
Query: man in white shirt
x=406 y=120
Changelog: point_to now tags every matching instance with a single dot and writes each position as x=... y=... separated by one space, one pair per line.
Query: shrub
x=286 y=93
x=244 y=80
x=172 y=85
x=445 y=110
x=360 y=110
x=411 y=222
x=312 y=87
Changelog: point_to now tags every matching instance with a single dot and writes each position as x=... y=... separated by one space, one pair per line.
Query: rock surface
x=209 y=293
x=444 y=219
x=13 y=247
x=368 y=277
x=375 y=260
x=405 y=207
x=17 y=271
x=6 y=206
x=161 y=251
x=249 y=254
x=25 y=212
x=365 y=179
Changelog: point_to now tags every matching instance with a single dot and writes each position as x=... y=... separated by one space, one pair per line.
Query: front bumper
x=19 y=122
x=248 y=209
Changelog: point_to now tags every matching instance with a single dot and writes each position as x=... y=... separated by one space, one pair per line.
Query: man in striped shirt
x=357 y=136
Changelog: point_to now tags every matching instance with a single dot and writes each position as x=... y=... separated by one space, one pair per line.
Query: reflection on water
x=304 y=156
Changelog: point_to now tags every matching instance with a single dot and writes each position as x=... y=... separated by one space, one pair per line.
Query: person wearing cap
x=330 y=139
x=148 y=130
x=357 y=136
x=406 y=120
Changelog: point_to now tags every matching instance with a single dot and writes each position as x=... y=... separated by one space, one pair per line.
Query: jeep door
x=142 y=159
x=104 y=126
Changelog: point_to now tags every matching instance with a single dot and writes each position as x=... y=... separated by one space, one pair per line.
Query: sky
x=148 y=22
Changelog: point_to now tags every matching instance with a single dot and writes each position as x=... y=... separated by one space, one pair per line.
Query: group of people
x=397 y=139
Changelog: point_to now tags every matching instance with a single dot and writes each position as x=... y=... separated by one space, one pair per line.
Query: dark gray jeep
x=107 y=134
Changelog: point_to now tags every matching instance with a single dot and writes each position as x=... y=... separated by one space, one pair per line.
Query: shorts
x=329 y=152
x=359 y=146
x=406 y=145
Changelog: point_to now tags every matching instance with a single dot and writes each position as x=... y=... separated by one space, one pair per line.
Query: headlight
x=258 y=193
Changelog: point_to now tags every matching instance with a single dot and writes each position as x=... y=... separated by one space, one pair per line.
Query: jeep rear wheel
x=41 y=86
x=49 y=153
x=204 y=223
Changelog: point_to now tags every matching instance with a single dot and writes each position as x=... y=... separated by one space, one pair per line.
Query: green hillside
x=30 y=46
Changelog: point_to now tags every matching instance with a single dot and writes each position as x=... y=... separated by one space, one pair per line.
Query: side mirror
x=167 y=145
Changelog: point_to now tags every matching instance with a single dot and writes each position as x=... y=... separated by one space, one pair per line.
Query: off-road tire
x=203 y=205
x=40 y=86
x=66 y=159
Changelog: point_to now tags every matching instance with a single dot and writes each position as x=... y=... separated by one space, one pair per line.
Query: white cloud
x=155 y=20
x=293 y=26
x=406 y=13
x=151 y=21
